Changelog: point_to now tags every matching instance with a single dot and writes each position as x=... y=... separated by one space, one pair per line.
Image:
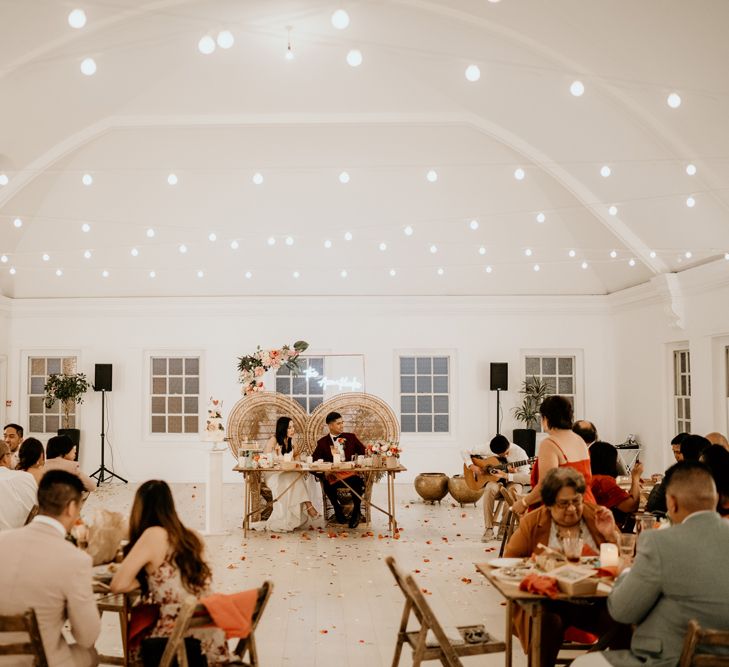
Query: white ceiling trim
x=578 y=189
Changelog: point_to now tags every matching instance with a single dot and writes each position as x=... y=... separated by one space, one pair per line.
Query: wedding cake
x=214 y=429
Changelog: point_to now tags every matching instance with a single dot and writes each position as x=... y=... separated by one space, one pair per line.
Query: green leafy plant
x=534 y=391
x=68 y=389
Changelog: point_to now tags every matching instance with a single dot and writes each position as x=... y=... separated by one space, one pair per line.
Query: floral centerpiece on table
x=385 y=448
x=253 y=366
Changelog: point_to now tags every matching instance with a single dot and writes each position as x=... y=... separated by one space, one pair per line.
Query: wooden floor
x=335 y=602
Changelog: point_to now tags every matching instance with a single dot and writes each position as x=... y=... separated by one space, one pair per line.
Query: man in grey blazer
x=678 y=575
x=41 y=570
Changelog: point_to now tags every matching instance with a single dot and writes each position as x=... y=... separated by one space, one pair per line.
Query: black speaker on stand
x=499 y=383
x=102 y=383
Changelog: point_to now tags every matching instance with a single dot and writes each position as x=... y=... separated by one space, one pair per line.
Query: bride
x=293 y=507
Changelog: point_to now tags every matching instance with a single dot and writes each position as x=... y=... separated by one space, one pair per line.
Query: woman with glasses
x=565 y=514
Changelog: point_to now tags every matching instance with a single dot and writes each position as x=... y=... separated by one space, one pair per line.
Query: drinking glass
x=646 y=522
x=626 y=544
x=572 y=547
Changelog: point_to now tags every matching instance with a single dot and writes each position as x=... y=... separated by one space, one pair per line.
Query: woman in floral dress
x=165 y=560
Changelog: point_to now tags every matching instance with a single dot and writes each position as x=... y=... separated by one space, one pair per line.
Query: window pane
x=298 y=386
x=175 y=366
x=314 y=387
x=158 y=425
x=192 y=385
x=566 y=386
x=315 y=402
x=425 y=404
x=36 y=424
x=407 y=423
x=551 y=385
x=440 y=365
x=549 y=365
x=159 y=385
x=425 y=365
x=317 y=363
x=531 y=366
x=53 y=423
x=159 y=366
x=71 y=421
x=38 y=366
x=69 y=365
x=425 y=424
x=283 y=384
x=174 y=385
x=174 y=425
x=440 y=423
x=158 y=405
x=407 y=404
x=425 y=383
x=301 y=400
x=407 y=384
x=37 y=384
x=407 y=365
x=440 y=404
x=191 y=405
x=36 y=405
x=54 y=366
x=440 y=384
x=679 y=408
x=191 y=424
x=284 y=370
x=684 y=386
x=174 y=405
x=682 y=359
x=687 y=407
x=192 y=366
x=565 y=365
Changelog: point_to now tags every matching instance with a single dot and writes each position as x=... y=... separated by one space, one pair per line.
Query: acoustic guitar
x=489 y=465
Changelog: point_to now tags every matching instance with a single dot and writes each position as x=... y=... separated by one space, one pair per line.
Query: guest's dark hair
x=332 y=417
x=58 y=445
x=56 y=490
x=557 y=410
x=18 y=428
x=30 y=452
x=499 y=444
x=716 y=459
x=692 y=481
x=677 y=440
x=693 y=446
x=586 y=430
x=282 y=438
x=603 y=459
x=558 y=478
x=154 y=506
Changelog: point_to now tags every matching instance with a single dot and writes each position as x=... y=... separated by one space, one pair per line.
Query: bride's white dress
x=289 y=512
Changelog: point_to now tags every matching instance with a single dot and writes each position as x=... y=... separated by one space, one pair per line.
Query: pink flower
x=259 y=371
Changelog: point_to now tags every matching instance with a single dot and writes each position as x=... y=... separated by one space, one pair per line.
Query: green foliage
x=534 y=391
x=68 y=389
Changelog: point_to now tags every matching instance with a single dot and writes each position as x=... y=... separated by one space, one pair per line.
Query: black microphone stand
x=99 y=474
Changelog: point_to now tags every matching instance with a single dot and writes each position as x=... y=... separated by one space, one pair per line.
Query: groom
x=333 y=481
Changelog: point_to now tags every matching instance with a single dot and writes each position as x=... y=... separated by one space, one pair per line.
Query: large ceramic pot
x=431 y=486
x=461 y=493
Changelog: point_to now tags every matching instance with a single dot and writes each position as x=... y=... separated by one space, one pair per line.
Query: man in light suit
x=41 y=570
x=678 y=575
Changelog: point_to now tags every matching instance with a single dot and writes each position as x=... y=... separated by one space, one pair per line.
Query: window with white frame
x=557 y=371
x=40 y=418
x=682 y=390
x=425 y=394
x=305 y=387
x=174 y=394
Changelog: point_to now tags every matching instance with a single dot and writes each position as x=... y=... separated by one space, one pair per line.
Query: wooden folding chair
x=704 y=648
x=446 y=652
x=25 y=623
x=511 y=520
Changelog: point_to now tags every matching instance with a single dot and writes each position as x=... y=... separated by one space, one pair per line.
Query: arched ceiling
x=157 y=106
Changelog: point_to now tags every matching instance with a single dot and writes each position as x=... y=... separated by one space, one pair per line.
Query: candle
x=608 y=555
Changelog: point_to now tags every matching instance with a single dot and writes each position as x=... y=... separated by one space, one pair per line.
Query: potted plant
x=69 y=390
x=534 y=391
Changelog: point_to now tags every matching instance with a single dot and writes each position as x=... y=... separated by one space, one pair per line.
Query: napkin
x=540 y=585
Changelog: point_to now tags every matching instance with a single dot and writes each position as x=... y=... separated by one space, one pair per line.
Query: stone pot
x=461 y=493
x=431 y=486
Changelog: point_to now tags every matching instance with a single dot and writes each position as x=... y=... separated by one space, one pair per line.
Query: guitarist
x=512 y=478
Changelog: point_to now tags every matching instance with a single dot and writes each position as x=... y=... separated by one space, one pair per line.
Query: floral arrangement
x=385 y=448
x=253 y=366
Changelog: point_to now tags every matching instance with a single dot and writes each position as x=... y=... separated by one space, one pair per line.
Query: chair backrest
x=176 y=644
x=400 y=580
x=25 y=623
x=699 y=642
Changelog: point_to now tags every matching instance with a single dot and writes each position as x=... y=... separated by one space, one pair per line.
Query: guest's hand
x=605 y=523
x=500 y=474
x=474 y=469
x=637 y=470
x=520 y=507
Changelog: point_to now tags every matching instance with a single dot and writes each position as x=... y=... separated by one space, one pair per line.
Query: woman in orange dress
x=561 y=448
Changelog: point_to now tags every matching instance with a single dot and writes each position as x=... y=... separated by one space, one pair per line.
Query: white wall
x=478 y=330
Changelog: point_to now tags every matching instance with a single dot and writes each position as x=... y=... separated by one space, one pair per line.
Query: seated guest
x=39 y=569
x=564 y=513
x=513 y=478
x=166 y=561
x=562 y=448
x=348 y=443
x=676 y=576
x=604 y=463
x=32 y=458
x=18 y=492
x=716 y=438
x=716 y=459
x=61 y=454
x=13 y=436
x=588 y=432
x=657 y=498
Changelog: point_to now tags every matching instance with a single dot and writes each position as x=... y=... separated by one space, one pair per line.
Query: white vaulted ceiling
x=157 y=106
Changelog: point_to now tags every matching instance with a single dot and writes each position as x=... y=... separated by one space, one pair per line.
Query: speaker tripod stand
x=103 y=473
